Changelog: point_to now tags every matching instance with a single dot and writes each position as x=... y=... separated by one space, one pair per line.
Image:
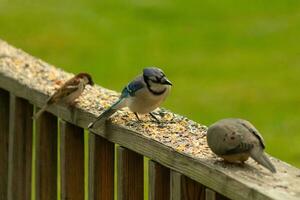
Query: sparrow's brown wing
x=65 y=90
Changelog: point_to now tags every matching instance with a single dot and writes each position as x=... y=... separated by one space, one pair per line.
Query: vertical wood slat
x=210 y=194
x=20 y=149
x=175 y=185
x=159 y=181
x=130 y=175
x=4 y=130
x=185 y=188
x=46 y=157
x=101 y=164
x=72 y=161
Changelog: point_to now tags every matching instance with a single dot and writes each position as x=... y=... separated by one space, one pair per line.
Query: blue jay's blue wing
x=132 y=88
x=128 y=91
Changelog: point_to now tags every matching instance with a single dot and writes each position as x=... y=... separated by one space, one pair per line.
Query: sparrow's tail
x=38 y=114
x=107 y=113
x=263 y=159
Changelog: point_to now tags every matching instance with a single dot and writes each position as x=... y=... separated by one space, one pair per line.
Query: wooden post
x=72 y=161
x=20 y=149
x=184 y=188
x=4 y=130
x=101 y=168
x=159 y=181
x=46 y=157
x=130 y=175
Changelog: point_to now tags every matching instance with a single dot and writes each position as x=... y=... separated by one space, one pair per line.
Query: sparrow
x=68 y=92
x=142 y=95
x=235 y=140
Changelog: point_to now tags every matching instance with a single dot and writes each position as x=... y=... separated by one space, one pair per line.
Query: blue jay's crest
x=153 y=71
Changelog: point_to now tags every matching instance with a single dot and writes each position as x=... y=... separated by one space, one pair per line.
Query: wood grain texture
x=130 y=175
x=46 y=157
x=101 y=168
x=210 y=194
x=175 y=185
x=234 y=182
x=72 y=161
x=184 y=188
x=20 y=149
x=159 y=181
x=191 y=190
x=4 y=130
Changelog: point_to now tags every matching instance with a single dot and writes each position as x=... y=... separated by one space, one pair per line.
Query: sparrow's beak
x=166 y=81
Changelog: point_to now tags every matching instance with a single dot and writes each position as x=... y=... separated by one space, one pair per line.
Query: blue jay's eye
x=153 y=79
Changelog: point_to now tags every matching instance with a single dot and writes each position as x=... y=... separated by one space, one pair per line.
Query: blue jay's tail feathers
x=107 y=113
x=262 y=159
x=38 y=114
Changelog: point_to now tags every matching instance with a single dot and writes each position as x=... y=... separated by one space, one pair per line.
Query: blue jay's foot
x=154 y=117
x=137 y=116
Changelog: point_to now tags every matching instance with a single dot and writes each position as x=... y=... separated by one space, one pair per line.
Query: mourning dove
x=235 y=140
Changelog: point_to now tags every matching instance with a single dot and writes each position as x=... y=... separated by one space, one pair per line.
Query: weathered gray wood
x=72 y=161
x=20 y=149
x=4 y=128
x=159 y=181
x=46 y=157
x=210 y=194
x=247 y=183
x=101 y=168
x=130 y=175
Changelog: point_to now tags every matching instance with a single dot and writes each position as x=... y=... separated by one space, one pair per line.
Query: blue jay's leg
x=154 y=117
x=137 y=116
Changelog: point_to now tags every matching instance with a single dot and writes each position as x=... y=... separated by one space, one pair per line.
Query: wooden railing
x=52 y=149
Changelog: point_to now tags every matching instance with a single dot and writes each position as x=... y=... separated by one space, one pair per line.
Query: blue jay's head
x=155 y=76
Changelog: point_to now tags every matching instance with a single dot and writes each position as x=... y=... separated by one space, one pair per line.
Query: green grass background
x=225 y=58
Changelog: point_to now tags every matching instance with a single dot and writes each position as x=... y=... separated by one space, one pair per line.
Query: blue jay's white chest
x=144 y=101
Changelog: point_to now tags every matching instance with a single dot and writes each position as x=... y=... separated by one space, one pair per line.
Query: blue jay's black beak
x=165 y=81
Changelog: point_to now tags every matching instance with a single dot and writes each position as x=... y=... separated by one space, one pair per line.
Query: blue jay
x=142 y=95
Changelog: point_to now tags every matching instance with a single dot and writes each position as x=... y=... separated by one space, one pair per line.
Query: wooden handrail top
x=176 y=142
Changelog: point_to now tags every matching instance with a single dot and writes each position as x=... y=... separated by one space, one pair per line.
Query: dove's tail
x=263 y=159
x=107 y=113
x=38 y=114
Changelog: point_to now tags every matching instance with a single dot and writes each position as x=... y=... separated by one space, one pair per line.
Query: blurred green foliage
x=225 y=58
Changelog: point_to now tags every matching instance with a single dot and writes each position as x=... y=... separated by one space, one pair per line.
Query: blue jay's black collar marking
x=155 y=92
